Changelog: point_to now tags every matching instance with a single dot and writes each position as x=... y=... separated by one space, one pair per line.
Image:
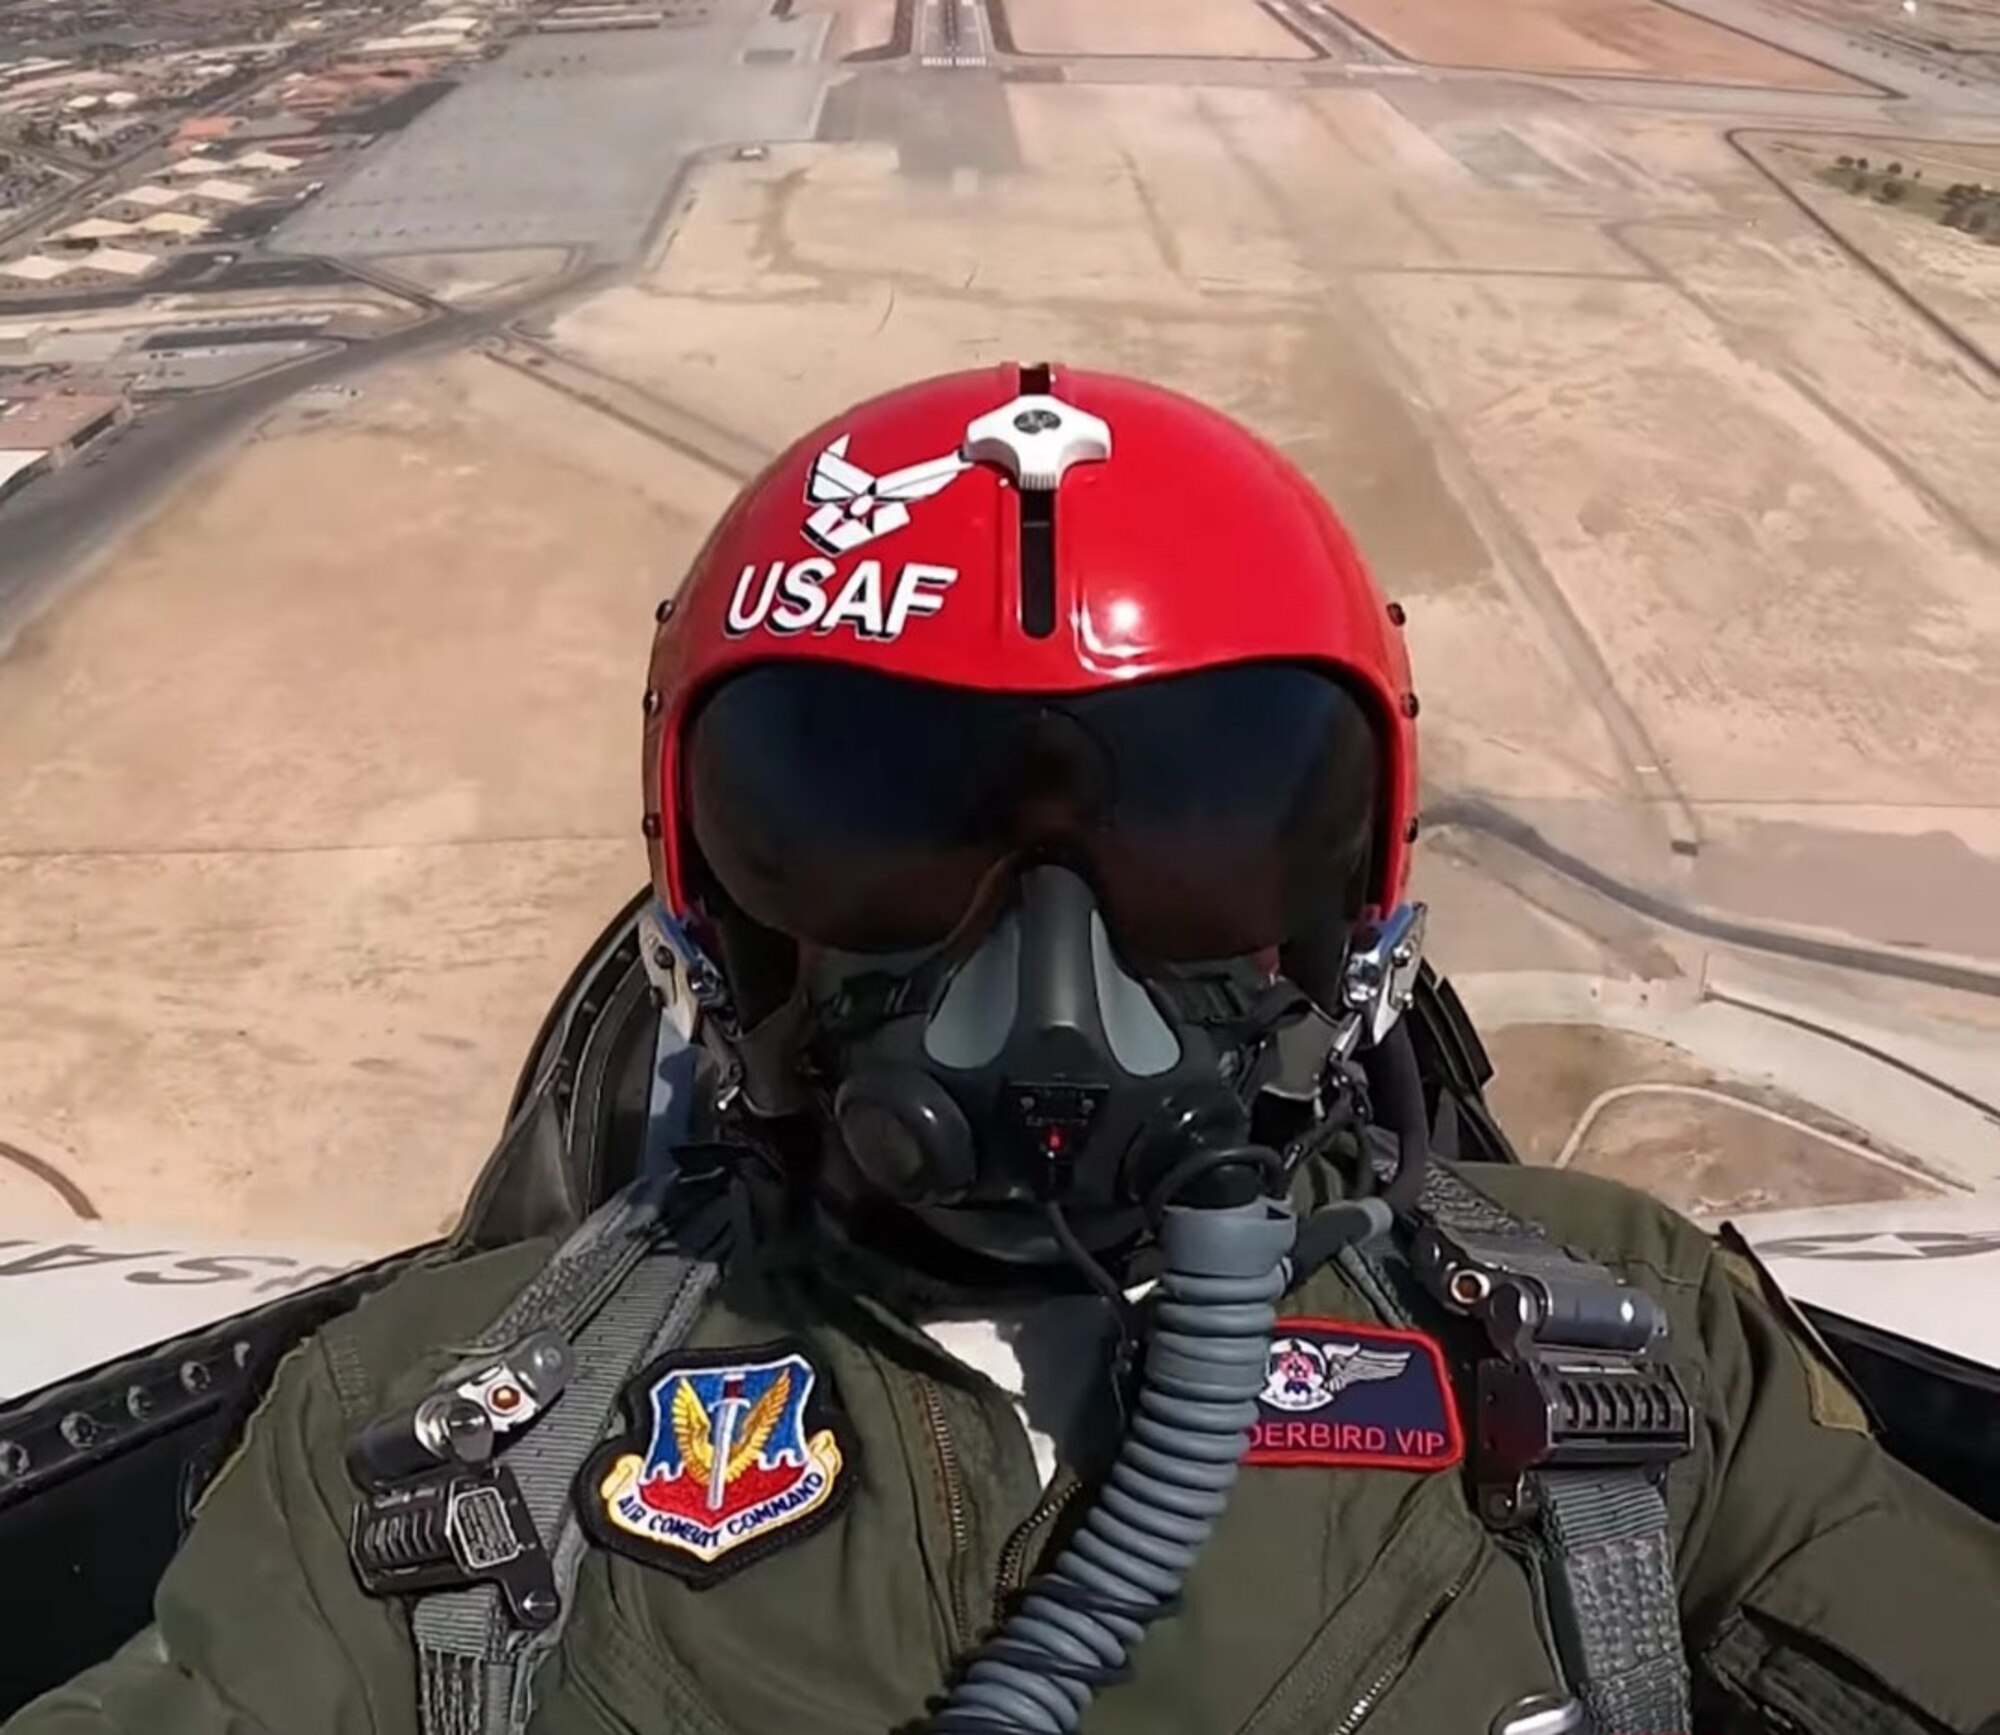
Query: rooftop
x=226 y=192
x=52 y=419
x=13 y=463
x=175 y=223
x=149 y=196
x=122 y=261
x=94 y=229
x=38 y=268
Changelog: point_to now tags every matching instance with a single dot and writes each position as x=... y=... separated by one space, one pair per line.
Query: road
x=55 y=527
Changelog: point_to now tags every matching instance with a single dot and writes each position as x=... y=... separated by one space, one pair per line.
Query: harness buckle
x=1573 y=1382
x=437 y=1510
x=462 y=1419
x=460 y=1525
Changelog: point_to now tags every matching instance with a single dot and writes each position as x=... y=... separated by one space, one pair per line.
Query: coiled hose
x=1225 y=1268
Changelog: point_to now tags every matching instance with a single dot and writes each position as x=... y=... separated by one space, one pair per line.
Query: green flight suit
x=1824 y=1588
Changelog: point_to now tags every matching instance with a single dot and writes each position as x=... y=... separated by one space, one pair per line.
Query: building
x=175 y=227
x=135 y=204
x=190 y=168
x=93 y=230
x=115 y=265
x=228 y=193
x=96 y=267
x=574 y=18
x=18 y=469
x=205 y=129
x=418 y=40
x=265 y=163
x=56 y=425
x=35 y=270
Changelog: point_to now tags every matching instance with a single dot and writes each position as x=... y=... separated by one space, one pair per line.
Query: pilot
x=1055 y=1315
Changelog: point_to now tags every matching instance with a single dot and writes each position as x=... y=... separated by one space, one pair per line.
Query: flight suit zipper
x=1014 y=1557
x=1372 y=1695
x=952 y=1477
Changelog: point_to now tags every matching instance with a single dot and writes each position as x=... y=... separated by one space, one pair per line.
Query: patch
x=726 y=1456
x=1830 y=1395
x=1369 y=1396
x=851 y=506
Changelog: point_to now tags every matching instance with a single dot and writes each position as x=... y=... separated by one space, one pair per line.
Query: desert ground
x=1677 y=454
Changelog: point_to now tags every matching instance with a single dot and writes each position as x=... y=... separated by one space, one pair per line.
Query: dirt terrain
x=310 y=800
x=310 y=795
x=1197 y=28
x=1638 y=38
x=1611 y=1103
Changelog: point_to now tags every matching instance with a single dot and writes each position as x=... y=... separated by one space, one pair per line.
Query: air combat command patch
x=1362 y=1395
x=726 y=1455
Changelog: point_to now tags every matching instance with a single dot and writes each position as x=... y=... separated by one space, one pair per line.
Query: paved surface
x=573 y=140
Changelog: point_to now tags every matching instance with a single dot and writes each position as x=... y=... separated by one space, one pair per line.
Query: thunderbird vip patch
x=727 y=1456
x=1363 y=1395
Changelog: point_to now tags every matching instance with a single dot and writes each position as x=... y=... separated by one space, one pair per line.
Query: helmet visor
x=1216 y=814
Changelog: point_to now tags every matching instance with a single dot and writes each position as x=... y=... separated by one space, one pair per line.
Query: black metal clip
x=1575 y=1380
x=460 y=1525
x=437 y=1511
x=461 y=1420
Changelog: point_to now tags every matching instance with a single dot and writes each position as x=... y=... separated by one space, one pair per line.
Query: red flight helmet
x=941 y=561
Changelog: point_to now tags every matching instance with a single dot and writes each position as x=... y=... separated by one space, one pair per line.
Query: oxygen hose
x=1396 y=1082
x=1076 y=1630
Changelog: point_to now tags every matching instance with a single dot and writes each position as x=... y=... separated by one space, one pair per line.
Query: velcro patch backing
x=1367 y=1396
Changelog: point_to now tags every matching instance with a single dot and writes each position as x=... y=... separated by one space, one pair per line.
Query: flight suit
x=1824 y=1588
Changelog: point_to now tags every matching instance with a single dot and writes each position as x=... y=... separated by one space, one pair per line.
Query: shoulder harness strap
x=1577 y=1415
x=499 y=1537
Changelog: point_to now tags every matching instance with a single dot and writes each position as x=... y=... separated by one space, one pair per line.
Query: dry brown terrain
x=1955 y=273
x=1196 y=28
x=1611 y=1103
x=1633 y=37
x=310 y=800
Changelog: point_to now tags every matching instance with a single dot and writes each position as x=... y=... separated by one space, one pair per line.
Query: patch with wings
x=726 y=1456
x=1363 y=1395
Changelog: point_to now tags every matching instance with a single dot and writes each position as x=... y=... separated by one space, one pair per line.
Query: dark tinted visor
x=1216 y=813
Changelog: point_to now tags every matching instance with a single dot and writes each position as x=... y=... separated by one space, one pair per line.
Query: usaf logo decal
x=1361 y=1395
x=726 y=1456
x=852 y=507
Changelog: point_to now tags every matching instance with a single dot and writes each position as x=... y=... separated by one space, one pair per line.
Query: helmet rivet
x=650 y=825
x=1037 y=421
x=1397 y=613
x=665 y=611
x=1410 y=704
x=652 y=701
